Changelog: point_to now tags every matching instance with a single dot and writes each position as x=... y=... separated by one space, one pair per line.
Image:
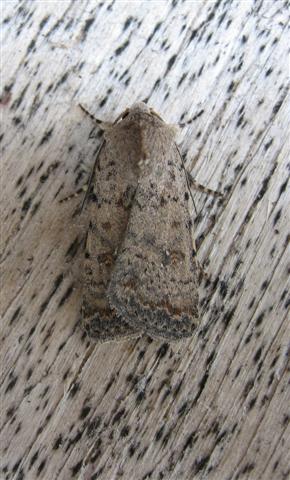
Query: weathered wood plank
x=213 y=407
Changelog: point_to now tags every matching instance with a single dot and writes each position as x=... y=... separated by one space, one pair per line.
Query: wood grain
x=214 y=407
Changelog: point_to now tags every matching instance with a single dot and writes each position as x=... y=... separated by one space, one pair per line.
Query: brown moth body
x=140 y=274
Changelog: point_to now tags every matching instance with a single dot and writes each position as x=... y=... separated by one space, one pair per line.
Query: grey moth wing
x=154 y=282
x=106 y=211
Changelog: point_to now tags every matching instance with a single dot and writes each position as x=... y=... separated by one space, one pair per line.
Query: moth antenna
x=202 y=188
x=92 y=117
x=152 y=111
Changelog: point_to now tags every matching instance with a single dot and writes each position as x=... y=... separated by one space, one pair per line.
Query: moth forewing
x=154 y=282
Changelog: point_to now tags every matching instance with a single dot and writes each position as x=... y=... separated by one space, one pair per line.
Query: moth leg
x=201 y=270
x=79 y=191
x=202 y=188
x=84 y=171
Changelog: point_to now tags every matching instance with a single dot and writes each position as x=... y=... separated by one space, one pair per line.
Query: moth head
x=143 y=108
x=136 y=108
x=138 y=111
x=139 y=107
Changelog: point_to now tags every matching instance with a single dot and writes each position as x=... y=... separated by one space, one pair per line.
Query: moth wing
x=107 y=210
x=154 y=282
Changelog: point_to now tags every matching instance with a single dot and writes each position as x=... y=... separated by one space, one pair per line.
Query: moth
x=140 y=273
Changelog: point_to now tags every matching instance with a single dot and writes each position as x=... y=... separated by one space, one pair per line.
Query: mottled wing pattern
x=154 y=282
x=107 y=209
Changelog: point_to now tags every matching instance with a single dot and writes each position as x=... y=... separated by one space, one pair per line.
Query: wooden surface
x=212 y=407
